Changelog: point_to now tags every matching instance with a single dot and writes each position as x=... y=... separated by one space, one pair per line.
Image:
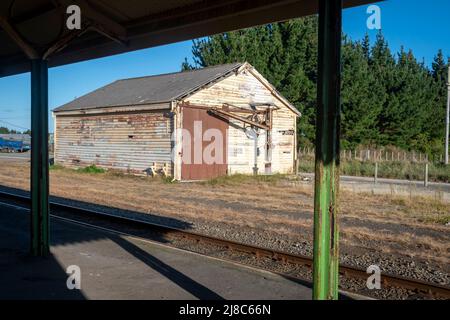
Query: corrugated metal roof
x=16 y=137
x=147 y=90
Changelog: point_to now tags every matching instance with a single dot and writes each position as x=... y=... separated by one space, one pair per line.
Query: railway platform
x=120 y=267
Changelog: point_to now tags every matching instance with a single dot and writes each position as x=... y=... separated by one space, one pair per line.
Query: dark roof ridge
x=182 y=71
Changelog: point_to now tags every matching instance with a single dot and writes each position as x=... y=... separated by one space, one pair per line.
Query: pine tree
x=436 y=122
x=285 y=53
x=360 y=106
x=386 y=99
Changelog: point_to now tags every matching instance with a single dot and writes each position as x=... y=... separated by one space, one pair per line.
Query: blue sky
x=418 y=25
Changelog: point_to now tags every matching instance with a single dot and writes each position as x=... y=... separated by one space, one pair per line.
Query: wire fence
x=378 y=155
x=383 y=164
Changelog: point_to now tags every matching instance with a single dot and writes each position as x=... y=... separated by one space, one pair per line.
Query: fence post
x=375 y=179
x=426 y=175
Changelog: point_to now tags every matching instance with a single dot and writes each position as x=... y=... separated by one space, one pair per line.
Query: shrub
x=91 y=169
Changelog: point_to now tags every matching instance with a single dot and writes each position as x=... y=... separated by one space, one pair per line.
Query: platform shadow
x=23 y=277
x=196 y=289
x=45 y=278
x=152 y=218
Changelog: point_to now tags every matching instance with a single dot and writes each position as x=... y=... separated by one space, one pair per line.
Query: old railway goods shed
x=33 y=37
x=151 y=125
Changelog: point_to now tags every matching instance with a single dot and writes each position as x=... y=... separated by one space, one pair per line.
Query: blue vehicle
x=13 y=146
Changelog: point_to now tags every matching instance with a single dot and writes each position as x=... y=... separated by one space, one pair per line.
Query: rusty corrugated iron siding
x=128 y=141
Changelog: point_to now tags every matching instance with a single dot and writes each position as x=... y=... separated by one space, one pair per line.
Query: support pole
x=326 y=253
x=39 y=158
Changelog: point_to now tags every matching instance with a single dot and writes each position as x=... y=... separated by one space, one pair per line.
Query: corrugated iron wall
x=132 y=142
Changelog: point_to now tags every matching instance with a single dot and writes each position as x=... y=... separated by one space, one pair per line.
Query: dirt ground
x=268 y=212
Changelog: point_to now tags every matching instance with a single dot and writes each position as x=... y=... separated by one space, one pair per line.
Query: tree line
x=388 y=99
x=5 y=130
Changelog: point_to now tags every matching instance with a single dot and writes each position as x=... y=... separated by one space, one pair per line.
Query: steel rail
x=418 y=286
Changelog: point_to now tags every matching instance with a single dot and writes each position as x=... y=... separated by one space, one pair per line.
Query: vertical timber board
x=326 y=252
x=283 y=131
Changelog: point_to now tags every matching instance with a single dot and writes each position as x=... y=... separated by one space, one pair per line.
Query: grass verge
x=394 y=170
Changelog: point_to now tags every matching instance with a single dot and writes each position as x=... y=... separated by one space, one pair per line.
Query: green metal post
x=326 y=252
x=39 y=159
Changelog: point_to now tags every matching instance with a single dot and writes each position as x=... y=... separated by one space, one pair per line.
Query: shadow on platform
x=26 y=277
x=176 y=223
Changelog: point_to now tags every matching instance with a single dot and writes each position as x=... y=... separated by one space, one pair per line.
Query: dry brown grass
x=392 y=224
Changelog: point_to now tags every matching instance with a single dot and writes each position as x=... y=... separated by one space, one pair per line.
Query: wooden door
x=195 y=164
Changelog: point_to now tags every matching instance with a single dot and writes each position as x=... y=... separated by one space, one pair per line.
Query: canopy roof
x=116 y=26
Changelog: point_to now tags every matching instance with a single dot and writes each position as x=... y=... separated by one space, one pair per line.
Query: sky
x=415 y=24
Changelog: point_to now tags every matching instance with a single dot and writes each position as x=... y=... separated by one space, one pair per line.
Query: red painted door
x=205 y=145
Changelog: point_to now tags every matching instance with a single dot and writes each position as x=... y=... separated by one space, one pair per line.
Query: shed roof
x=150 y=89
x=156 y=89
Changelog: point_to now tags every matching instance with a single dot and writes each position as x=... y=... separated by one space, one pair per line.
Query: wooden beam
x=63 y=42
x=30 y=52
x=45 y=9
x=99 y=22
x=234 y=116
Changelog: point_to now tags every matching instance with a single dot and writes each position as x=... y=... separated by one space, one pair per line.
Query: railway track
x=152 y=231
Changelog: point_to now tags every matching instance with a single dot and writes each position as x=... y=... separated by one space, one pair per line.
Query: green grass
x=425 y=209
x=237 y=179
x=56 y=167
x=166 y=179
x=391 y=169
x=92 y=169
